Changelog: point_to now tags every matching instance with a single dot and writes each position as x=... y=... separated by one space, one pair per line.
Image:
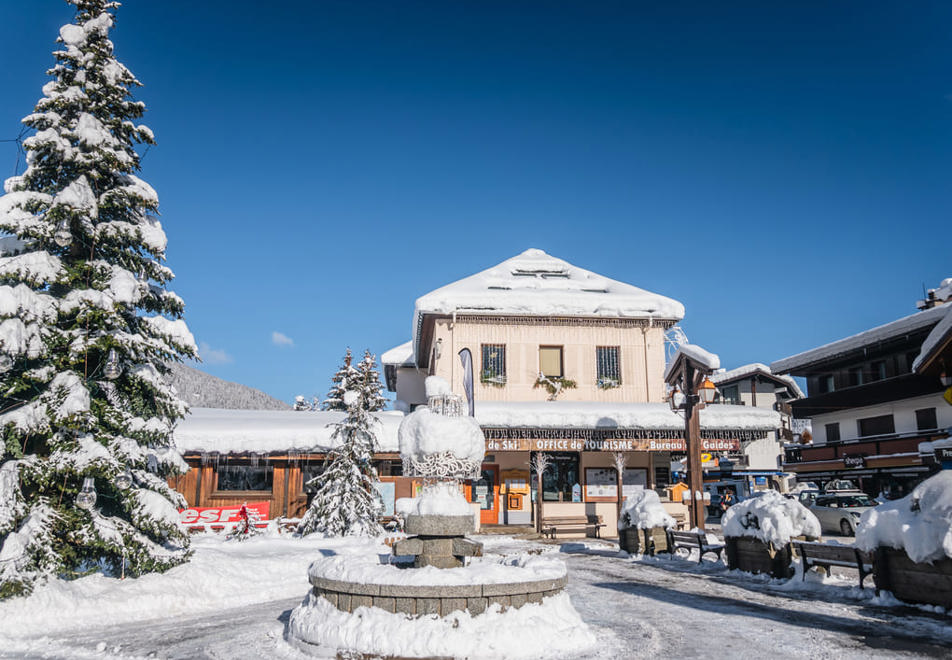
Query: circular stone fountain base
x=419 y=600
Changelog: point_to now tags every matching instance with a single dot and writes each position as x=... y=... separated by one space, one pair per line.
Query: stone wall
x=426 y=599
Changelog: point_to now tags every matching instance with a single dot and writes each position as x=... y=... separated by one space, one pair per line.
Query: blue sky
x=782 y=171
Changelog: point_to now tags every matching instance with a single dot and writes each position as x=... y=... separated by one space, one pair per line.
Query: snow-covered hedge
x=772 y=518
x=920 y=523
x=643 y=509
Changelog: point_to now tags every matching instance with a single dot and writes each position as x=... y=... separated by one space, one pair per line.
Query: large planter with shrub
x=643 y=523
x=757 y=533
x=751 y=555
x=911 y=539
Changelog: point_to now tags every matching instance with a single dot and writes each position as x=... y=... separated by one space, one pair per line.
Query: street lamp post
x=687 y=375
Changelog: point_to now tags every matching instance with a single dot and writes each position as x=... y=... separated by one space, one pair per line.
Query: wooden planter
x=754 y=556
x=930 y=584
x=643 y=541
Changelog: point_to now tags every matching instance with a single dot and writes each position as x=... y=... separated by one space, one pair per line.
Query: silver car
x=841 y=513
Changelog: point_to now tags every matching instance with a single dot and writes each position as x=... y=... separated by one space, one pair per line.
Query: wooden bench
x=692 y=540
x=826 y=555
x=552 y=525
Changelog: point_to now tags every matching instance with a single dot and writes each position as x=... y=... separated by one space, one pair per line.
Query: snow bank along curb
x=549 y=629
x=771 y=518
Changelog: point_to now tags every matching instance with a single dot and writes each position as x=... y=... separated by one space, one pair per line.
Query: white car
x=841 y=512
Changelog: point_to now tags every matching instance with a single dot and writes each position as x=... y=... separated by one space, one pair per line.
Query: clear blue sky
x=783 y=171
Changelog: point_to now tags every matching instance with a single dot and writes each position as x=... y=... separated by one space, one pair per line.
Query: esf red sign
x=222 y=514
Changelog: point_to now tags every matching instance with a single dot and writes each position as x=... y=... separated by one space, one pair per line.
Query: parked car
x=804 y=496
x=841 y=512
x=841 y=486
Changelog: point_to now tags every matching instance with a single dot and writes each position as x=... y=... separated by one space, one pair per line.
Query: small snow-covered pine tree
x=341 y=382
x=301 y=403
x=86 y=326
x=370 y=387
x=347 y=502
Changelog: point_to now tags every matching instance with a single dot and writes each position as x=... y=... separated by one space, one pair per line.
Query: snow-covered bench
x=552 y=525
x=826 y=555
x=691 y=540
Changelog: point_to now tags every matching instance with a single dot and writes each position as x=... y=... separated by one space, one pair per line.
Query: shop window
x=245 y=477
x=731 y=395
x=832 y=432
x=493 y=369
x=561 y=477
x=926 y=419
x=607 y=366
x=550 y=361
x=882 y=425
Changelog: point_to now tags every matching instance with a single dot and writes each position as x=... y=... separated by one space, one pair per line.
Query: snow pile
x=442 y=498
x=553 y=625
x=262 y=569
x=920 y=523
x=435 y=386
x=643 y=510
x=772 y=518
x=424 y=433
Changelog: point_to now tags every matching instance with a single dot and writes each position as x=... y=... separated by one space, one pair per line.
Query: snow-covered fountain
x=450 y=601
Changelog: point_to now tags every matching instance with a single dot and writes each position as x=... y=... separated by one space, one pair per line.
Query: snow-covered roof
x=706 y=359
x=880 y=333
x=640 y=416
x=265 y=431
x=754 y=369
x=537 y=284
x=401 y=356
x=940 y=334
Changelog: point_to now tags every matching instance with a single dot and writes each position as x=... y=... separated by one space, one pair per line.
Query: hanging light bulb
x=112 y=370
x=86 y=498
x=63 y=235
x=123 y=481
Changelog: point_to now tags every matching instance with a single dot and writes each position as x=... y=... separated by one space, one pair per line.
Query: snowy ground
x=233 y=601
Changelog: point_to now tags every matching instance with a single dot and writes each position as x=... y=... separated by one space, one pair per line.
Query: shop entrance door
x=485 y=490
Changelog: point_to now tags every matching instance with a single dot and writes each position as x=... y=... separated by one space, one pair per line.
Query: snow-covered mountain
x=201 y=390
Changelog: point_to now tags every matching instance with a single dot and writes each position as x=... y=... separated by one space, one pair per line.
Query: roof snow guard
x=536 y=284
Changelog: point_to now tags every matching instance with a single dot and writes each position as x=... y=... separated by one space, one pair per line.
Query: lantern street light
x=691 y=388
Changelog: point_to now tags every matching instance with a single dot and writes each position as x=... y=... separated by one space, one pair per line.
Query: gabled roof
x=536 y=284
x=882 y=333
x=755 y=369
x=940 y=337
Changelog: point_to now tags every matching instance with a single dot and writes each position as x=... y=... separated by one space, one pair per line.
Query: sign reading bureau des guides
x=607 y=444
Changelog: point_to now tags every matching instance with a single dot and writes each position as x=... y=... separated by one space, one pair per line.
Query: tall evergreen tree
x=86 y=325
x=370 y=387
x=347 y=502
x=341 y=382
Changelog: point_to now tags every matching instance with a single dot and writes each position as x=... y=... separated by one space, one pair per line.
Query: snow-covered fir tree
x=340 y=383
x=347 y=502
x=86 y=326
x=370 y=387
x=301 y=403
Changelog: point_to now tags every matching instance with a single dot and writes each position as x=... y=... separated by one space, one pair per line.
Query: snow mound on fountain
x=552 y=625
x=643 y=510
x=920 y=523
x=367 y=569
x=440 y=499
x=423 y=433
x=770 y=517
